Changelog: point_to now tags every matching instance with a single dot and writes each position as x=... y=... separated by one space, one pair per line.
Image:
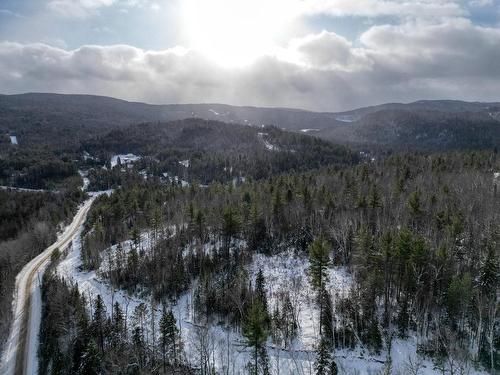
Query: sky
x=323 y=55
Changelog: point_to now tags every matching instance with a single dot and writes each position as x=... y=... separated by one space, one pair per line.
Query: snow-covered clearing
x=125 y=159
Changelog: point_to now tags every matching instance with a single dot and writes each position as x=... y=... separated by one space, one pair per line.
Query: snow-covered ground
x=184 y=163
x=124 y=159
x=346 y=118
x=309 y=130
x=86 y=181
x=267 y=144
x=175 y=179
x=283 y=272
x=87 y=156
x=26 y=190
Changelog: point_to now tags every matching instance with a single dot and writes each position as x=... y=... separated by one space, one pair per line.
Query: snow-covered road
x=20 y=354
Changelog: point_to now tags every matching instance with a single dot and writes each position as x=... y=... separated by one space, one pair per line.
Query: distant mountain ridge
x=425 y=124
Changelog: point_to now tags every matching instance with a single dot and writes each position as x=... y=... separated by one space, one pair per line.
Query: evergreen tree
x=139 y=345
x=118 y=323
x=231 y=224
x=255 y=332
x=260 y=290
x=489 y=276
x=99 y=322
x=91 y=359
x=319 y=259
x=323 y=358
x=169 y=337
x=136 y=237
x=326 y=316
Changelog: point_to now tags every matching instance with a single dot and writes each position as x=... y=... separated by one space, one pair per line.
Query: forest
x=29 y=222
x=417 y=235
x=37 y=168
x=217 y=152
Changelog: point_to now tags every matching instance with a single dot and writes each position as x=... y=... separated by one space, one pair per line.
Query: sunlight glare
x=236 y=32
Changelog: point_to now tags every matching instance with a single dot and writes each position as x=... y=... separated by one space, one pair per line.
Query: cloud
x=77 y=8
x=453 y=48
x=324 y=71
x=86 y=8
x=480 y=3
x=9 y=13
x=376 y=8
x=328 y=51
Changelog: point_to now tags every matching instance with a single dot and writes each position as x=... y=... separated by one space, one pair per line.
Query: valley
x=207 y=246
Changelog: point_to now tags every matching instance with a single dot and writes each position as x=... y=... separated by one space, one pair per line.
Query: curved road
x=19 y=355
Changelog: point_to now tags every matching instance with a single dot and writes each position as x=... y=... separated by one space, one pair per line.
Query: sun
x=236 y=32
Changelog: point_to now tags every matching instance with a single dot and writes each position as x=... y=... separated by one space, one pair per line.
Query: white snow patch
x=346 y=118
x=175 y=179
x=309 y=130
x=86 y=181
x=87 y=156
x=287 y=272
x=26 y=190
x=127 y=159
x=184 y=163
x=267 y=144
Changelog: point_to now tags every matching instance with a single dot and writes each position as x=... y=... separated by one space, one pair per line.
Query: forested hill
x=65 y=120
x=206 y=135
x=420 y=129
x=208 y=151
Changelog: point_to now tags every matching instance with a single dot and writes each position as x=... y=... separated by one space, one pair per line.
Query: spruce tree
x=118 y=323
x=325 y=364
x=489 y=276
x=323 y=358
x=99 y=322
x=255 y=333
x=260 y=290
x=169 y=337
x=319 y=259
x=139 y=345
x=91 y=360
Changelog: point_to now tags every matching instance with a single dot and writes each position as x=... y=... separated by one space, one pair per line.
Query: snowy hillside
x=284 y=273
